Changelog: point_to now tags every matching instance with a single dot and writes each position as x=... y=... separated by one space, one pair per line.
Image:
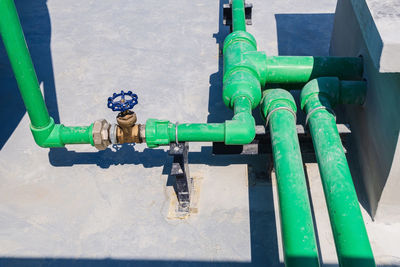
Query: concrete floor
x=80 y=207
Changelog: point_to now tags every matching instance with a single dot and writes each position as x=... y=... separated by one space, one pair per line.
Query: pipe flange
x=100 y=134
x=142 y=132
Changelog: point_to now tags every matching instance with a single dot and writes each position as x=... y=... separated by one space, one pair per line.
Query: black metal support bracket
x=227 y=13
x=262 y=144
x=180 y=169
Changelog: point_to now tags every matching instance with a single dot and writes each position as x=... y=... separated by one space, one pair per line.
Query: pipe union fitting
x=100 y=133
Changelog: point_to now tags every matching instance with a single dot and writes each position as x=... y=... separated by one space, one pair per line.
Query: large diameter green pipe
x=239 y=130
x=238 y=16
x=301 y=69
x=45 y=132
x=17 y=50
x=317 y=98
x=299 y=242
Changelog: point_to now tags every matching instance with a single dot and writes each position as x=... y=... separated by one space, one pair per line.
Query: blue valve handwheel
x=122 y=101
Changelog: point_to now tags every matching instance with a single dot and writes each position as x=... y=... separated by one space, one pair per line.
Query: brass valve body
x=127 y=131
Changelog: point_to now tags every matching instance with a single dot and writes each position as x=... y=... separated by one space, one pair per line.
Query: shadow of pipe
x=35 y=22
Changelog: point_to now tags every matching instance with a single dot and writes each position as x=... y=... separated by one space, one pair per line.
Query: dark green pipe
x=301 y=69
x=45 y=132
x=299 y=242
x=319 y=96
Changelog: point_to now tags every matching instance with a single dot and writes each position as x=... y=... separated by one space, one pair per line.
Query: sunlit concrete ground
x=77 y=206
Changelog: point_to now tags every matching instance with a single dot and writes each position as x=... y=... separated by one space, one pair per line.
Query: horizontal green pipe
x=301 y=69
x=45 y=132
x=239 y=130
x=351 y=239
x=299 y=242
x=213 y=132
x=238 y=16
x=76 y=134
x=21 y=63
x=58 y=135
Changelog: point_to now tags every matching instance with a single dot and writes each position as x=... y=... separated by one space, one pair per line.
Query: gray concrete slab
x=77 y=206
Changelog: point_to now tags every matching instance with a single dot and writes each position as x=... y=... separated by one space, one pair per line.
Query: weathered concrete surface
x=77 y=206
x=375 y=125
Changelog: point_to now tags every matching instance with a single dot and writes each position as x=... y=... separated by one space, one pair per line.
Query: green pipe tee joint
x=244 y=69
x=277 y=98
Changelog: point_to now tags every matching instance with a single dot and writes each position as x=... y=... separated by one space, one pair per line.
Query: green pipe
x=238 y=16
x=301 y=69
x=299 y=242
x=244 y=73
x=45 y=132
x=239 y=130
x=14 y=42
x=319 y=96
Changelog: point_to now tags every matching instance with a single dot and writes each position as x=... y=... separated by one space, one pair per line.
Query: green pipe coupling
x=157 y=132
x=276 y=99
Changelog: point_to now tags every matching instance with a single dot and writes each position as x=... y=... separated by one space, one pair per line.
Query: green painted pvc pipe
x=244 y=75
x=239 y=130
x=299 y=242
x=301 y=69
x=14 y=42
x=238 y=16
x=351 y=239
x=45 y=132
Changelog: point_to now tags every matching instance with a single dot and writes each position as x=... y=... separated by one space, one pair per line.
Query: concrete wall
x=364 y=28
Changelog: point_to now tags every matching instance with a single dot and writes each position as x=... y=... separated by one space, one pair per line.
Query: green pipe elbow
x=335 y=91
x=240 y=130
x=58 y=135
x=327 y=87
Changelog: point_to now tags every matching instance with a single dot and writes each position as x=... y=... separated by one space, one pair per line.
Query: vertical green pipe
x=17 y=50
x=238 y=16
x=351 y=239
x=45 y=132
x=299 y=242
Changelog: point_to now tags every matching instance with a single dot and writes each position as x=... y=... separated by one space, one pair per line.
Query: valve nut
x=142 y=132
x=100 y=133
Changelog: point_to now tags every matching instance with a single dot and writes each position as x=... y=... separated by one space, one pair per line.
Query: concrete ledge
x=375 y=126
x=379 y=22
